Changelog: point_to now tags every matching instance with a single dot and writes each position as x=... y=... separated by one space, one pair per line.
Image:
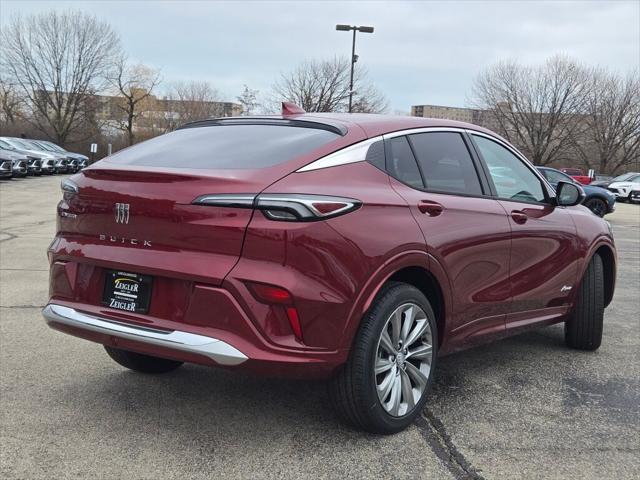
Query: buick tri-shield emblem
x=122 y=213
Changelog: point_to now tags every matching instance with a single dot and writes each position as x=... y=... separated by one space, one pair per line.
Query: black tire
x=352 y=391
x=597 y=206
x=141 y=363
x=583 y=330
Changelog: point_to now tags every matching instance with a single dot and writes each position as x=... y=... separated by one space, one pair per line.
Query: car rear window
x=226 y=146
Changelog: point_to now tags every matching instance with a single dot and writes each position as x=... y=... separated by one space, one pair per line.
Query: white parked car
x=622 y=189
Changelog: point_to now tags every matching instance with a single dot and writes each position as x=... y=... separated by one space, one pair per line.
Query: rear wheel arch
x=403 y=267
x=609 y=267
x=427 y=283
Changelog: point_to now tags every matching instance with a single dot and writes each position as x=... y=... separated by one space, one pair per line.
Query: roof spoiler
x=289 y=108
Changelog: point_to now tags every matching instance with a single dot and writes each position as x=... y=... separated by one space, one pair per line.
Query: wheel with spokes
x=384 y=384
x=597 y=206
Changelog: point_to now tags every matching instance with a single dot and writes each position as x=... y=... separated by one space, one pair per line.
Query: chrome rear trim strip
x=219 y=351
x=231 y=200
x=351 y=154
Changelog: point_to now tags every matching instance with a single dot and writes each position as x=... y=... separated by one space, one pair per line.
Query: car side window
x=512 y=178
x=401 y=163
x=446 y=163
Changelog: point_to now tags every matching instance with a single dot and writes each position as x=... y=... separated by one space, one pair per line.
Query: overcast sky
x=422 y=52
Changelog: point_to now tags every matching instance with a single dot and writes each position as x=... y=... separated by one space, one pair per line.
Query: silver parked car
x=60 y=161
x=81 y=161
x=31 y=162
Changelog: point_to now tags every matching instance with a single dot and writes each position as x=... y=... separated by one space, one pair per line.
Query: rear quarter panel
x=331 y=266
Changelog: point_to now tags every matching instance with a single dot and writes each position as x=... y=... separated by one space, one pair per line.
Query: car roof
x=376 y=124
x=372 y=125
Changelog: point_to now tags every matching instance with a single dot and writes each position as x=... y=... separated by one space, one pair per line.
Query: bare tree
x=611 y=139
x=323 y=86
x=11 y=102
x=58 y=59
x=190 y=101
x=249 y=100
x=539 y=109
x=134 y=84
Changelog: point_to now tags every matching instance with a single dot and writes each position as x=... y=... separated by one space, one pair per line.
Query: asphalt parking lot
x=525 y=407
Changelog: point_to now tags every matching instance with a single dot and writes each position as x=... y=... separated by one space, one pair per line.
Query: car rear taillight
x=279 y=297
x=286 y=207
x=294 y=208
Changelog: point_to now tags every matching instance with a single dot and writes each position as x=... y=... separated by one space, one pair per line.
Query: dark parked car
x=48 y=166
x=597 y=199
x=19 y=168
x=353 y=247
x=18 y=161
x=34 y=166
x=6 y=166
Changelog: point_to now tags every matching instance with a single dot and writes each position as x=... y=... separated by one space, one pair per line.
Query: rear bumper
x=237 y=347
x=220 y=352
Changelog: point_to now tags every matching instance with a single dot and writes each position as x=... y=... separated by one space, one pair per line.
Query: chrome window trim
x=412 y=131
x=357 y=152
x=352 y=154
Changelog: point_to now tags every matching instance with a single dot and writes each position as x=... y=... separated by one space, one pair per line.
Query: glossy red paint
x=492 y=273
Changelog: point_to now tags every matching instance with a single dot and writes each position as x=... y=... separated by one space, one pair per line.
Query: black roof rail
x=330 y=127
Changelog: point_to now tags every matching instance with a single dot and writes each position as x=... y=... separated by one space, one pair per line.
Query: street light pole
x=354 y=57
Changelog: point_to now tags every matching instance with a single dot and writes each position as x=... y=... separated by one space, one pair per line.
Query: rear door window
x=446 y=163
x=401 y=163
x=226 y=146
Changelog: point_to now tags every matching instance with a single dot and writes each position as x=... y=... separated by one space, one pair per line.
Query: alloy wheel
x=597 y=206
x=403 y=359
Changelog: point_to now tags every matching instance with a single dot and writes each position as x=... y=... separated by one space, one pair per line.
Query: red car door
x=544 y=255
x=466 y=231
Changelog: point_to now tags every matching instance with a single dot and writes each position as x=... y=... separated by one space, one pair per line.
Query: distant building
x=153 y=114
x=475 y=116
x=108 y=108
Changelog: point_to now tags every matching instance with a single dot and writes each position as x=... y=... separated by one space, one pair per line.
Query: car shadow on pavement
x=217 y=402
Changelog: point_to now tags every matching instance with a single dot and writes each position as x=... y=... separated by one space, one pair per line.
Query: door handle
x=519 y=217
x=433 y=209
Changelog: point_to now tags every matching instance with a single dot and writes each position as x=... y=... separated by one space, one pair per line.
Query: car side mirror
x=569 y=194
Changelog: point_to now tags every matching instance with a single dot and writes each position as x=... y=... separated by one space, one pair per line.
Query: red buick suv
x=351 y=247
